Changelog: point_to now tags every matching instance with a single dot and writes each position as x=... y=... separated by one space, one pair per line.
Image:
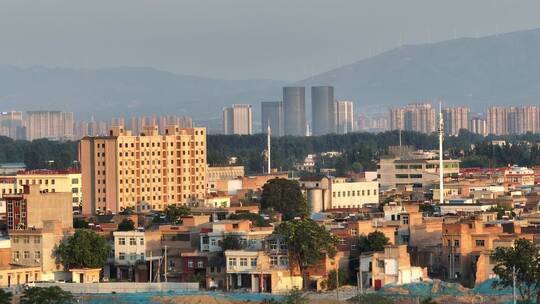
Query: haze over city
x=272 y=152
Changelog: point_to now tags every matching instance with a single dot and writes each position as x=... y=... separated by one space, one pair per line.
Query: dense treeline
x=360 y=150
x=40 y=153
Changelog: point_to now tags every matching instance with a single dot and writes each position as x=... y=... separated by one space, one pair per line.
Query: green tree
x=523 y=259
x=284 y=196
x=502 y=211
x=374 y=241
x=308 y=243
x=126 y=225
x=48 y=295
x=5 y=297
x=428 y=301
x=256 y=219
x=330 y=283
x=85 y=249
x=80 y=223
x=174 y=213
x=371 y=298
x=231 y=242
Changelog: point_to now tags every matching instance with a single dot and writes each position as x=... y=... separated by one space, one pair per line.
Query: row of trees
x=38 y=295
x=360 y=150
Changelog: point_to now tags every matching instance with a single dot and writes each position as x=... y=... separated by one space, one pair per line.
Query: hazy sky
x=278 y=39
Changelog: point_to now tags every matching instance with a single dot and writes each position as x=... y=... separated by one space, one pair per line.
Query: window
x=27 y=254
x=254 y=262
x=200 y=264
x=190 y=264
x=283 y=261
x=132 y=241
x=232 y=262
x=15 y=240
x=243 y=261
x=480 y=243
x=272 y=245
x=141 y=242
x=37 y=255
x=354 y=231
x=121 y=256
x=121 y=241
x=274 y=261
x=380 y=263
x=456 y=243
x=16 y=255
x=26 y=240
x=283 y=246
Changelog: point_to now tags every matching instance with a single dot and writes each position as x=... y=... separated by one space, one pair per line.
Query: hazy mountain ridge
x=502 y=69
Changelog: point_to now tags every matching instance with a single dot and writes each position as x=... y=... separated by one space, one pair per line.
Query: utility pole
x=269 y=149
x=514 y=284
x=337 y=282
x=441 y=154
x=166 y=265
x=150 y=266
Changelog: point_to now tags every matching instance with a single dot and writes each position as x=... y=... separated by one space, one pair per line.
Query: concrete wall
x=122 y=287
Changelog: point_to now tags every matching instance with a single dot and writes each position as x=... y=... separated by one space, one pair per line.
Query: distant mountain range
x=502 y=69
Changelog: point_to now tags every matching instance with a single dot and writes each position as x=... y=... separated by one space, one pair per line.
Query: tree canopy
x=5 y=297
x=126 y=225
x=174 y=213
x=374 y=241
x=307 y=241
x=284 y=196
x=85 y=249
x=523 y=259
x=231 y=242
x=47 y=295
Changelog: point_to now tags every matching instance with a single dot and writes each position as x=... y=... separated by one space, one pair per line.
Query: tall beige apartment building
x=455 y=119
x=419 y=117
x=149 y=171
x=49 y=124
x=238 y=119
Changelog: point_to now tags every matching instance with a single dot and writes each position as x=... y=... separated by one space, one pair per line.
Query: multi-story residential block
x=272 y=115
x=36 y=248
x=54 y=181
x=419 y=172
x=513 y=120
x=238 y=120
x=353 y=194
x=419 y=117
x=478 y=126
x=133 y=247
x=29 y=209
x=49 y=124
x=262 y=270
x=518 y=176
x=455 y=119
x=11 y=125
x=251 y=237
x=122 y=170
x=14 y=275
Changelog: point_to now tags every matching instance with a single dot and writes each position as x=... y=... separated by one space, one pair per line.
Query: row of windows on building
x=26 y=255
x=243 y=262
x=132 y=241
x=122 y=256
x=351 y=193
x=25 y=239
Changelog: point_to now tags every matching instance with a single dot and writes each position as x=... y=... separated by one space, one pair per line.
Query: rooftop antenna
x=441 y=164
x=269 y=135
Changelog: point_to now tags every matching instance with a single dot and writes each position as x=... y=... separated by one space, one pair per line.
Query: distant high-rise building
x=11 y=125
x=238 y=120
x=322 y=109
x=455 y=119
x=49 y=124
x=136 y=124
x=344 y=116
x=145 y=172
x=272 y=114
x=294 y=111
x=478 y=126
x=513 y=120
x=419 y=117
